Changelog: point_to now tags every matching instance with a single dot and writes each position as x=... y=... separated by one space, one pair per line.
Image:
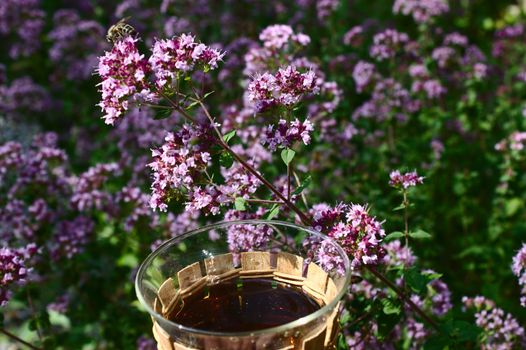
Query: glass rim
x=221 y=224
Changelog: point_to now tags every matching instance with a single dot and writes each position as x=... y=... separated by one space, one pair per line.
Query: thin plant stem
x=406 y=219
x=21 y=341
x=289 y=170
x=298 y=183
x=263 y=201
x=178 y=108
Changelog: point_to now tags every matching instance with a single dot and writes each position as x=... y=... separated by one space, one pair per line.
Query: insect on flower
x=119 y=31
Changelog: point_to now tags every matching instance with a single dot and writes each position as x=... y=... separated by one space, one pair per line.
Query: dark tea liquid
x=244 y=305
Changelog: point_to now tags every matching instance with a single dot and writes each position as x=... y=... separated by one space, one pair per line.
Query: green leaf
x=182 y=247
x=162 y=113
x=187 y=78
x=273 y=212
x=512 y=206
x=400 y=207
x=287 y=155
x=419 y=234
x=390 y=307
x=228 y=136
x=342 y=342
x=239 y=203
x=192 y=105
x=431 y=276
x=226 y=160
x=345 y=317
x=415 y=280
x=304 y=184
x=208 y=94
x=394 y=235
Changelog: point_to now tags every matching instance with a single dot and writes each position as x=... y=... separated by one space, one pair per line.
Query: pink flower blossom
x=421 y=10
x=286 y=87
x=387 y=43
x=357 y=232
x=280 y=36
x=410 y=179
x=178 y=163
x=242 y=238
x=285 y=134
x=180 y=55
x=124 y=74
x=363 y=74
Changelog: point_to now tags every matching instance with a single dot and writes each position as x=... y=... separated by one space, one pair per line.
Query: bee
x=119 y=31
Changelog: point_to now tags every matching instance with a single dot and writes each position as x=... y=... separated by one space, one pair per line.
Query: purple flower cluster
x=421 y=10
x=281 y=36
x=76 y=44
x=279 y=43
x=353 y=37
x=70 y=237
x=404 y=181
x=23 y=20
x=506 y=40
x=389 y=100
x=501 y=330
x=238 y=181
x=124 y=79
x=440 y=297
x=285 y=87
x=357 y=232
x=519 y=269
x=23 y=96
x=13 y=269
x=10 y=154
x=331 y=95
x=242 y=238
x=328 y=257
x=387 y=44
x=61 y=303
x=178 y=163
x=179 y=55
x=285 y=134
x=363 y=74
x=423 y=83
x=398 y=254
x=443 y=55
x=280 y=48
x=324 y=8
x=87 y=188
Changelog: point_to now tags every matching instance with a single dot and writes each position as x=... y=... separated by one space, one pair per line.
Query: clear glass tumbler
x=187 y=265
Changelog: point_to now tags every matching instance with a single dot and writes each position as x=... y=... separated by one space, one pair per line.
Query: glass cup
x=236 y=250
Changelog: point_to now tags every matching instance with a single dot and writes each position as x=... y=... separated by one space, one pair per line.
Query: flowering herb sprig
x=181 y=163
x=403 y=182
